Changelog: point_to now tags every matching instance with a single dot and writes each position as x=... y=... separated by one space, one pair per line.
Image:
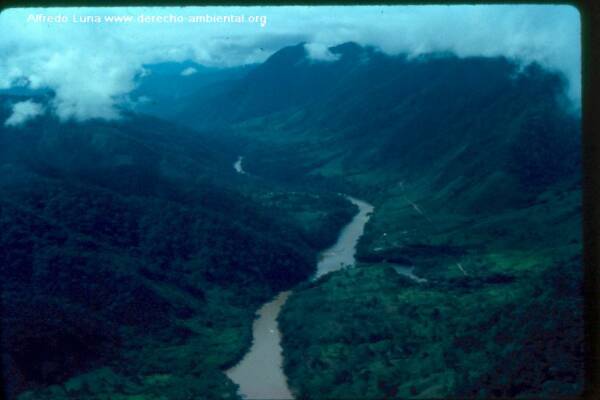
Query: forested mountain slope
x=138 y=236
x=128 y=252
x=473 y=165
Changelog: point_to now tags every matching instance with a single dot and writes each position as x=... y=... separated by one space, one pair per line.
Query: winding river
x=260 y=373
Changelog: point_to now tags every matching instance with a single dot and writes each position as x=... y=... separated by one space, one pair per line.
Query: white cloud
x=24 y=111
x=92 y=67
x=189 y=71
x=320 y=52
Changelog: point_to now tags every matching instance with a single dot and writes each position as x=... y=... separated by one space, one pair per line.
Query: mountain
x=371 y=124
x=127 y=242
x=164 y=89
x=150 y=253
x=286 y=79
x=473 y=165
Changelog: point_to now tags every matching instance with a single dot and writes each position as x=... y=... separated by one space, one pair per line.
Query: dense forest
x=126 y=260
x=369 y=332
x=135 y=256
x=481 y=194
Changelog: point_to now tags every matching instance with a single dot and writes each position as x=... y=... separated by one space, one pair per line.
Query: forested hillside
x=473 y=165
x=128 y=254
x=135 y=255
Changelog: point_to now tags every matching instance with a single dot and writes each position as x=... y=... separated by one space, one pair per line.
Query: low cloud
x=189 y=71
x=92 y=67
x=24 y=111
x=320 y=52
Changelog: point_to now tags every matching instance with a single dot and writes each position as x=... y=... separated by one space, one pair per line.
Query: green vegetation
x=136 y=257
x=369 y=332
x=317 y=216
x=499 y=316
x=131 y=271
x=480 y=192
x=155 y=288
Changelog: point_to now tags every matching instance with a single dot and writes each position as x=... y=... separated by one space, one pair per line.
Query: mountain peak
x=348 y=48
x=287 y=55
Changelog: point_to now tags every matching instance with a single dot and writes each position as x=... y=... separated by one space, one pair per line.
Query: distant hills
x=166 y=89
x=369 y=119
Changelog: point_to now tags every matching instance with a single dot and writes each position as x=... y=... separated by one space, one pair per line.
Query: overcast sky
x=93 y=66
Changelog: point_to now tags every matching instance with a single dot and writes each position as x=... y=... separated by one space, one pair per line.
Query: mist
x=92 y=67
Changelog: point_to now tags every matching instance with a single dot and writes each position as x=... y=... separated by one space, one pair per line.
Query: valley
x=481 y=209
x=260 y=373
x=160 y=263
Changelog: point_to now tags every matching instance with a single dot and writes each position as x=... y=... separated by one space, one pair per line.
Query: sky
x=93 y=63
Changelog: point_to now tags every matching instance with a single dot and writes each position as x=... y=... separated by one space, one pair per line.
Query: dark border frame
x=590 y=46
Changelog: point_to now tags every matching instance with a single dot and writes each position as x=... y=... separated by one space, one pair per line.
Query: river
x=260 y=373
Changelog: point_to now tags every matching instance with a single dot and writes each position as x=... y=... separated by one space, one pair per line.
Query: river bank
x=260 y=372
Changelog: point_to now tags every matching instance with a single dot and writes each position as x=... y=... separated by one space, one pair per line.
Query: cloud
x=24 y=111
x=189 y=71
x=320 y=52
x=92 y=67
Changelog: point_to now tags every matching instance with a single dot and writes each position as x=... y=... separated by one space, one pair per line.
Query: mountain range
x=137 y=252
